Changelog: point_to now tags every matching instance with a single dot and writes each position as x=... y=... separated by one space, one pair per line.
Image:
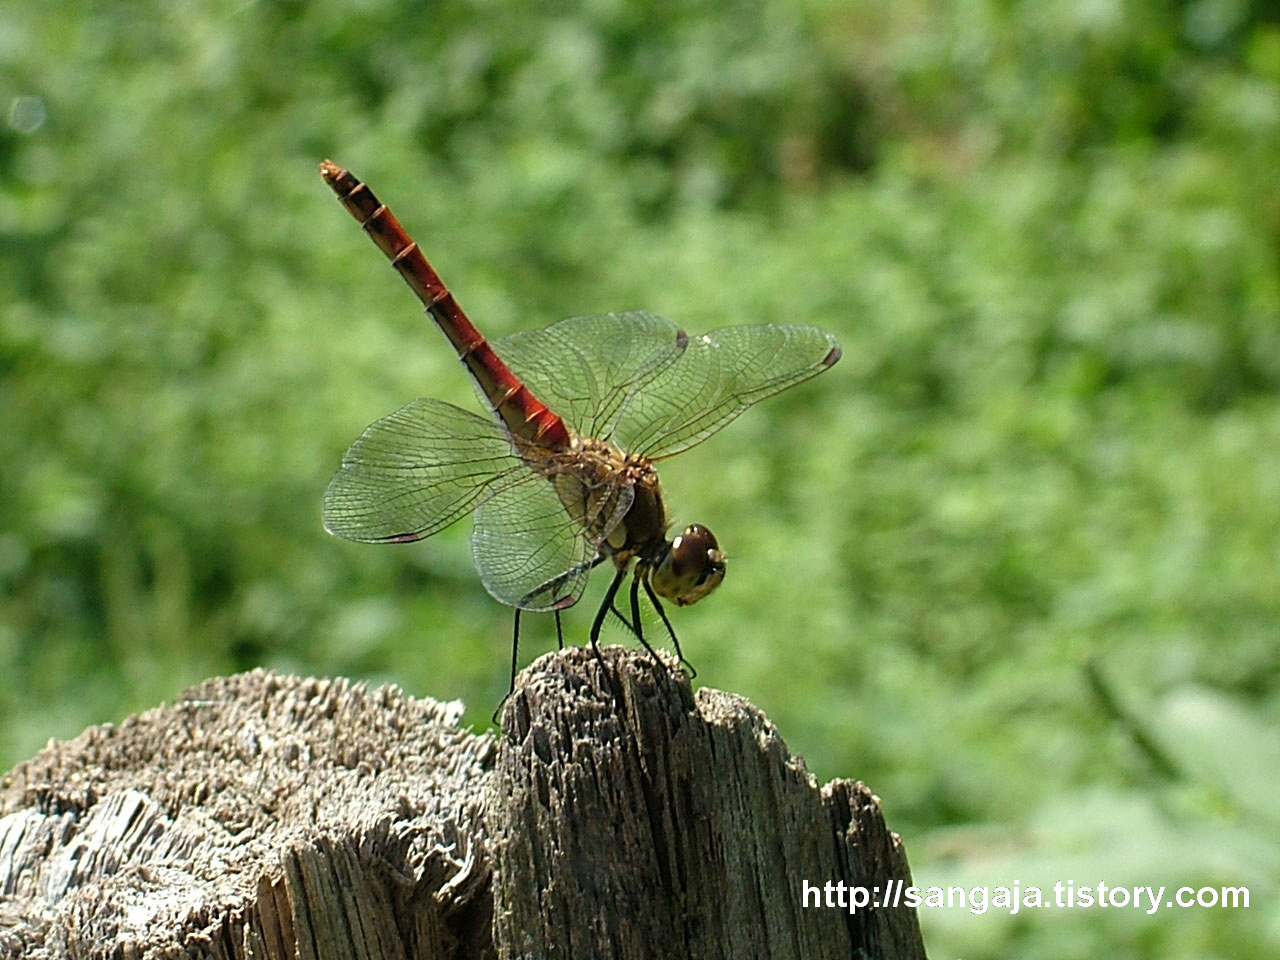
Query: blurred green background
x=1015 y=561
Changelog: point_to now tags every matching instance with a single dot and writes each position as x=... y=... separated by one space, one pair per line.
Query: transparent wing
x=534 y=543
x=584 y=368
x=416 y=471
x=715 y=378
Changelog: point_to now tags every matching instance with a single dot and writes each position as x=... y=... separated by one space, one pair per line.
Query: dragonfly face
x=692 y=567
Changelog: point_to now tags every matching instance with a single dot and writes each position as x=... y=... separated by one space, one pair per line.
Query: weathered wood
x=258 y=816
x=274 y=817
x=693 y=829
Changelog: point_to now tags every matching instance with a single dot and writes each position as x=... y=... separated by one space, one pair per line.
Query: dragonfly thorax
x=618 y=496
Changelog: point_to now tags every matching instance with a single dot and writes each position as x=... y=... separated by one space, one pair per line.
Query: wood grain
x=267 y=816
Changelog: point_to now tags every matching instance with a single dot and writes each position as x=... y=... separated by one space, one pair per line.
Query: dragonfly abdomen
x=524 y=415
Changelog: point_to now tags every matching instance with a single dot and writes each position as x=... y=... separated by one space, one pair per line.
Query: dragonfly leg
x=657 y=605
x=635 y=617
x=613 y=608
x=595 y=562
x=605 y=606
x=559 y=630
x=515 y=648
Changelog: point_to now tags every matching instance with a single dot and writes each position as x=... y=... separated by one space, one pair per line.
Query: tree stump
x=273 y=817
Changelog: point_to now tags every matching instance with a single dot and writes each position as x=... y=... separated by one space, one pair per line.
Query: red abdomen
x=524 y=415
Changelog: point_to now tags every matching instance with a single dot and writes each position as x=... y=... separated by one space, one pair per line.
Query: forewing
x=584 y=368
x=532 y=552
x=715 y=378
x=416 y=471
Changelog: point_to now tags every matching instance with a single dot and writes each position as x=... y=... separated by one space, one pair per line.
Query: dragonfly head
x=691 y=567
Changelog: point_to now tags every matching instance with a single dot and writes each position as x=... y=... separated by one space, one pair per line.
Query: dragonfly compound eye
x=692 y=567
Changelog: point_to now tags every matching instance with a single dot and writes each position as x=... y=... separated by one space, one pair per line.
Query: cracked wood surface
x=694 y=827
x=270 y=816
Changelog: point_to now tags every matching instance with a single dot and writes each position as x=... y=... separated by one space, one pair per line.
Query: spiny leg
x=613 y=608
x=657 y=605
x=605 y=606
x=559 y=631
x=635 y=616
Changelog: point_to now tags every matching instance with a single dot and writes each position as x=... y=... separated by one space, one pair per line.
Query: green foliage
x=1047 y=235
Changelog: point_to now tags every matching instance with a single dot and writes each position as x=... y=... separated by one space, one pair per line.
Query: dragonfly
x=561 y=477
